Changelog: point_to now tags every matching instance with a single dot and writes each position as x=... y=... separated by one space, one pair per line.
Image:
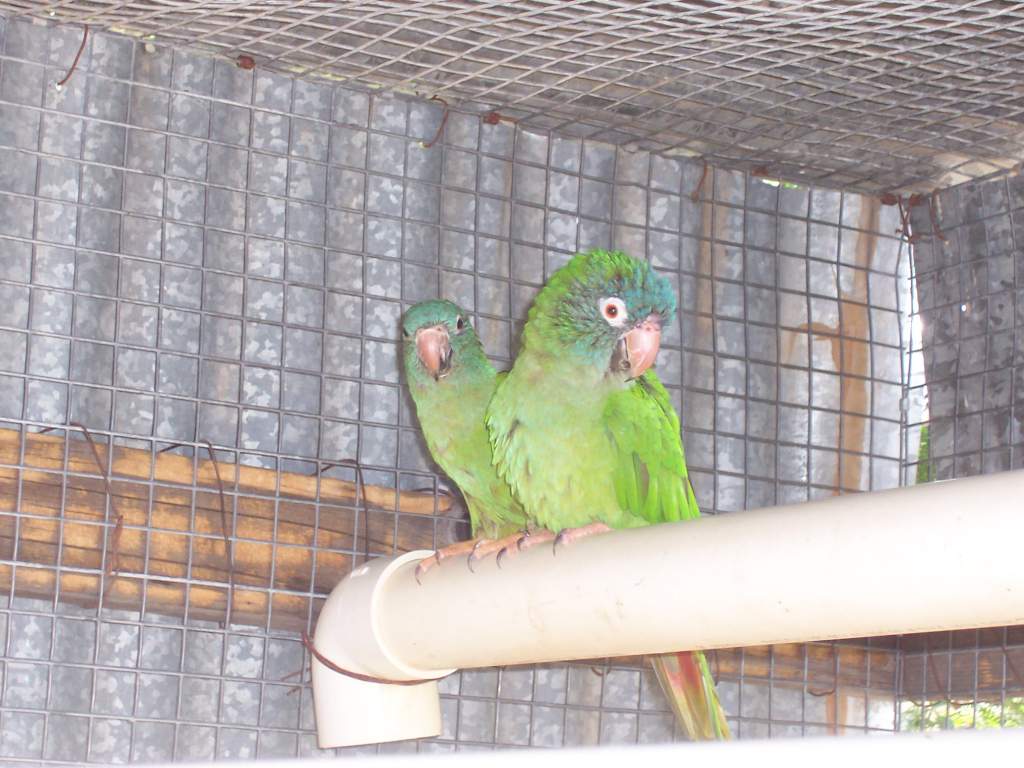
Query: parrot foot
x=445 y=553
x=569 y=535
x=523 y=541
x=485 y=547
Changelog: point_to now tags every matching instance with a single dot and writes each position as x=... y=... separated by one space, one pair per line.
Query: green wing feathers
x=650 y=477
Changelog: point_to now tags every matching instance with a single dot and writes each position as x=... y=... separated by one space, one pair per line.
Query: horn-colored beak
x=434 y=350
x=642 y=344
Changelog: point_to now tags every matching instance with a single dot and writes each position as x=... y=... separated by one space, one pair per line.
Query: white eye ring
x=613 y=310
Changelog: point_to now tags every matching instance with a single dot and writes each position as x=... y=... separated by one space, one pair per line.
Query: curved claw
x=530 y=540
x=473 y=557
x=568 y=535
x=559 y=538
x=501 y=554
x=426 y=564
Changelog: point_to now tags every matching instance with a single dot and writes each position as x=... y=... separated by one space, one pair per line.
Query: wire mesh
x=963 y=680
x=968 y=382
x=969 y=270
x=864 y=95
x=191 y=251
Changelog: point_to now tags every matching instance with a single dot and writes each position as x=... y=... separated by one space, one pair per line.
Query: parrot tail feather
x=686 y=680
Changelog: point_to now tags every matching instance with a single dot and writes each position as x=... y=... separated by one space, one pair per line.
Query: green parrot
x=451 y=381
x=586 y=435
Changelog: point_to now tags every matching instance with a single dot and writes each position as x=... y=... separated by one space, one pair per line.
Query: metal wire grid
x=616 y=703
x=815 y=406
x=972 y=339
x=969 y=378
x=481 y=218
x=863 y=96
x=968 y=388
x=970 y=679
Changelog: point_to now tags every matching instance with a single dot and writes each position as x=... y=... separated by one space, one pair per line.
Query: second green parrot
x=451 y=381
x=586 y=435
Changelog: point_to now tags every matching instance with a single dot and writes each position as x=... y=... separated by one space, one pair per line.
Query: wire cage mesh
x=203 y=266
x=968 y=378
x=864 y=95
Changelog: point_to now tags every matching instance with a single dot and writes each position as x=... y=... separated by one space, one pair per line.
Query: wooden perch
x=46 y=451
x=289 y=532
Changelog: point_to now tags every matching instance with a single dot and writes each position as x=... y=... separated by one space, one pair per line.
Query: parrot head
x=438 y=339
x=605 y=308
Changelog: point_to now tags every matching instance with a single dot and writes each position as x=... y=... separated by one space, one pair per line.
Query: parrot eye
x=613 y=310
x=460 y=324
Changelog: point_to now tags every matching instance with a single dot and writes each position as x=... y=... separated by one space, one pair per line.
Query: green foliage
x=779 y=183
x=924 y=465
x=945 y=715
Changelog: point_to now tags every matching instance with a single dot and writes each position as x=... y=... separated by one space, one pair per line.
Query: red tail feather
x=690 y=690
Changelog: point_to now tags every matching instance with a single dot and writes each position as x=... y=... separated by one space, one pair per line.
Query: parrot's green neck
x=453 y=405
x=594 y=382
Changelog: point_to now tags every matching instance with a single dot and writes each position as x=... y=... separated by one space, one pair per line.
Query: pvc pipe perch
x=849 y=566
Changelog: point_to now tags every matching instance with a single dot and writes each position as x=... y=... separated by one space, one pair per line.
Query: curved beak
x=638 y=348
x=434 y=350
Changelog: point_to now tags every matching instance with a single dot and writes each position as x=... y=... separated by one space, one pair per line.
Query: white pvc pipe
x=934 y=557
x=350 y=711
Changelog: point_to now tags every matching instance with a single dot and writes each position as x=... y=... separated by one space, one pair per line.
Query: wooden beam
x=46 y=451
x=289 y=533
x=204 y=602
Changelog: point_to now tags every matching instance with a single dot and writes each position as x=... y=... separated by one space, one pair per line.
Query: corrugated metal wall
x=970 y=273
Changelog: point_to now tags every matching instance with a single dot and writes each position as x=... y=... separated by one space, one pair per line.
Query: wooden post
x=292 y=535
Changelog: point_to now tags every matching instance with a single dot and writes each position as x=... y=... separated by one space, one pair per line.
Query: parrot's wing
x=650 y=474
